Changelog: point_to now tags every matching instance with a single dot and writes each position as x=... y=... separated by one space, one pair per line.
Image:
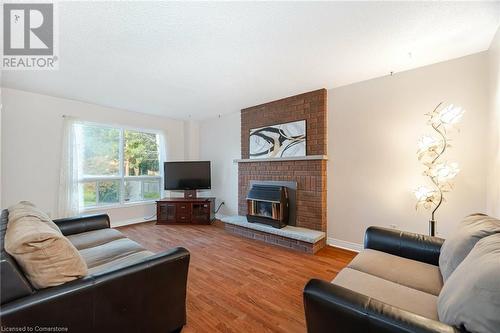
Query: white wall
x=493 y=202
x=31 y=147
x=220 y=143
x=192 y=140
x=374 y=127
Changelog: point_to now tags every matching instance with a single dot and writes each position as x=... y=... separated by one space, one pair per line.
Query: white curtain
x=163 y=158
x=69 y=195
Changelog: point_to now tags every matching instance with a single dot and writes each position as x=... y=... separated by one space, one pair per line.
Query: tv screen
x=189 y=175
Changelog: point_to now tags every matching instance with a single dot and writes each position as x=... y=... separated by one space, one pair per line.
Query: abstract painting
x=283 y=140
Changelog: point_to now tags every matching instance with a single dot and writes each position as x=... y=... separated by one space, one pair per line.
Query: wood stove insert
x=268 y=204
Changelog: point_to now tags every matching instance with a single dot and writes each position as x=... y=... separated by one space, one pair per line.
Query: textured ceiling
x=201 y=59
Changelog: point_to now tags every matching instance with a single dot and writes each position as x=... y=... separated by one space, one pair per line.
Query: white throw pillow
x=456 y=247
x=470 y=298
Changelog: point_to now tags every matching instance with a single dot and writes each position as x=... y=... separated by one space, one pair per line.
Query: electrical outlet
x=394 y=226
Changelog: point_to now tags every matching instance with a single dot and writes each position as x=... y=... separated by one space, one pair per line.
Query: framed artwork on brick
x=277 y=141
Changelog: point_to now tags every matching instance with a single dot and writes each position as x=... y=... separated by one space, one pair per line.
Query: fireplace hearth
x=268 y=204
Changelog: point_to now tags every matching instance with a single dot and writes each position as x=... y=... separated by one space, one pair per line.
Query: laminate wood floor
x=237 y=284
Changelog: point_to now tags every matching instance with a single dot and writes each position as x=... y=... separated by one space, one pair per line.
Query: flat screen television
x=188 y=175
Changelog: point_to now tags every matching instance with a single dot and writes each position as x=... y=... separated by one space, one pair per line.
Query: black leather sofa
x=351 y=303
x=128 y=289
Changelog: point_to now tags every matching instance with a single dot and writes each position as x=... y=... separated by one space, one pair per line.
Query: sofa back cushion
x=455 y=248
x=470 y=298
x=14 y=284
x=46 y=257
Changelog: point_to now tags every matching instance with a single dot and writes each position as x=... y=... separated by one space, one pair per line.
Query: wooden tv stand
x=185 y=211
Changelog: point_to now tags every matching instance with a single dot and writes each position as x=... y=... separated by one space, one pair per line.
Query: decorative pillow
x=455 y=248
x=25 y=209
x=471 y=296
x=44 y=254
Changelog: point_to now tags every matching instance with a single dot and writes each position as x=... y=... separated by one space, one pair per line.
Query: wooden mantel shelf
x=281 y=159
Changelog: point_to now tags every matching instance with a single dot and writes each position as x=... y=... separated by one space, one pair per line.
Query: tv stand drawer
x=183 y=218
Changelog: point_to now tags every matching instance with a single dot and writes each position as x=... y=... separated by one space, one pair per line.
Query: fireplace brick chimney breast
x=310 y=175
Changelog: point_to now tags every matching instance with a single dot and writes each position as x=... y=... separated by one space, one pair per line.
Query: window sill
x=118 y=206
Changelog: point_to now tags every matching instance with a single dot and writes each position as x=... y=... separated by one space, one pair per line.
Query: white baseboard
x=130 y=221
x=344 y=244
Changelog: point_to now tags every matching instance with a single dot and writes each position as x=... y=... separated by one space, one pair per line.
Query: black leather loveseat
x=391 y=286
x=128 y=289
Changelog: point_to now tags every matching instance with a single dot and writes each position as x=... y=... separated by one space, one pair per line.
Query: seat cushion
x=93 y=238
x=407 y=272
x=471 y=296
x=389 y=292
x=456 y=247
x=110 y=251
x=121 y=262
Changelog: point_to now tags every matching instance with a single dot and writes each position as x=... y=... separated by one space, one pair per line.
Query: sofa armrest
x=148 y=296
x=331 y=308
x=82 y=223
x=404 y=244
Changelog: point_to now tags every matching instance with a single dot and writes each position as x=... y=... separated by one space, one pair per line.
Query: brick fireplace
x=311 y=187
x=310 y=175
x=308 y=172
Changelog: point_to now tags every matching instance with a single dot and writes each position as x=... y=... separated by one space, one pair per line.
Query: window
x=117 y=165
